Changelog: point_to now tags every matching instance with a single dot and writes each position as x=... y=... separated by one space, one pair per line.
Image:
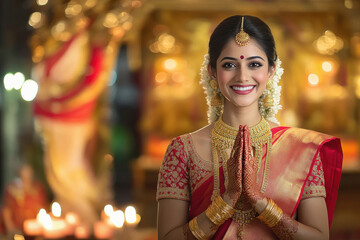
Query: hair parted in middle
x=227 y=30
x=260 y=32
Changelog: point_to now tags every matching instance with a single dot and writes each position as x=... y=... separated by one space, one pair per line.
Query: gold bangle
x=219 y=211
x=195 y=230
x=272 y=214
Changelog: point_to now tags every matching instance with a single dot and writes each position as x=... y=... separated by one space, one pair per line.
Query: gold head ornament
x=242 y=38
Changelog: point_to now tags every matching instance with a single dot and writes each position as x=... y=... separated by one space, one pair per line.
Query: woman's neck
x=241 y=116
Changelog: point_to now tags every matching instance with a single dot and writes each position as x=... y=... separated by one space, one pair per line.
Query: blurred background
x=93 y=91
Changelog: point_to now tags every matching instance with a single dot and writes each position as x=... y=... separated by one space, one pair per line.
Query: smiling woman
x=243 y=176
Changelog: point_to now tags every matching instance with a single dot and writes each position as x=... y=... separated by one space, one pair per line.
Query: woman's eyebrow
x=229 y=58
x=235 y=59
x=254 y=57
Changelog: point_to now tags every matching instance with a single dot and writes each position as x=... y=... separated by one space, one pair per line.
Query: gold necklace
x=223 y=137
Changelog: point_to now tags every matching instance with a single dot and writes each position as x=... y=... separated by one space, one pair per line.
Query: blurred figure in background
x=22 y=199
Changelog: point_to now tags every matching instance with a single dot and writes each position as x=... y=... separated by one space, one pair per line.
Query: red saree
x=294 y=153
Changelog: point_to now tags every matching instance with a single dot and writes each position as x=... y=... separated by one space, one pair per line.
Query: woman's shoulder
x=304 y=135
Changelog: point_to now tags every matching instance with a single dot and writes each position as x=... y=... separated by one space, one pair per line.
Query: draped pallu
x=293 y=155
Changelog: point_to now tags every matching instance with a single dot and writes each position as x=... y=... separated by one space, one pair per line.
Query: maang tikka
x=242 y=38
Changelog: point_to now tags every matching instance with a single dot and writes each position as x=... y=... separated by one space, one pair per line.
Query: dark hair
x=228 y=29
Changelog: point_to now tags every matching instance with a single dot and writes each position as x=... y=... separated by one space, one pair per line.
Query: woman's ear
x=212 y=74
x=272 y=71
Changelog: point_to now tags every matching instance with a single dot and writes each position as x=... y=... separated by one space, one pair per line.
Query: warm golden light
x=19 y=237
x=118 y=218
x=72 y=218
x=161 y=77
x=90 y=3
x=178 y=77
x=130 y=214
x=327 y=66
x=73 y=9
x=41 y=2
x=41 y=216
x=108 y=210
x=136 y=4
x=329 y=43
x=36 y=19
x=110 y=20
x=47 y=222
x=170 y=64
x=348 y=4
x=56 y=209
x=58 y=28
x=357 y=84
x=313 y=79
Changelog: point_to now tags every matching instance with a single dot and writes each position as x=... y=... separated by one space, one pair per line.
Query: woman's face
x=242 y=73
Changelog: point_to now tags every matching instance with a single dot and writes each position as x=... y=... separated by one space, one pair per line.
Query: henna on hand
x=234 y=166
x=250 y=186
x=286 y=228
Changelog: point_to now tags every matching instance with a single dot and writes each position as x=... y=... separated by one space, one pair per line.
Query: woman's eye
x=229 y=65
x=255 y=64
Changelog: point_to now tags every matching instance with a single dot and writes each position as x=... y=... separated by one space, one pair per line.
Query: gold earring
x=269 y=84
x=269 y=101
x=213 y=84
x=216 y=100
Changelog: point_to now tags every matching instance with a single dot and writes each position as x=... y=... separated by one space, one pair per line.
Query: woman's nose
x=242 y=74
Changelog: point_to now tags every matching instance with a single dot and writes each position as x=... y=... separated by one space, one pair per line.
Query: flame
x=47 y=222
x=117 y=218
x=72 y=218
x=108 y=209
x=41 y=215
x=130 y=214
x=56 y=209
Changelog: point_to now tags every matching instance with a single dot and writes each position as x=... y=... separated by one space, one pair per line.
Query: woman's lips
x=243 y=90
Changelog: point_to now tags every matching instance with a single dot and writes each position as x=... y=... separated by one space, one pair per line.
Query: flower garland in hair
x=274 y=93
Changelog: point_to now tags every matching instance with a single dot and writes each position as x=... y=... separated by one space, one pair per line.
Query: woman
x=243 y=176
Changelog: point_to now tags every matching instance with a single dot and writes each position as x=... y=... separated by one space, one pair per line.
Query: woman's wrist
x=260 y=205
x=229 y=200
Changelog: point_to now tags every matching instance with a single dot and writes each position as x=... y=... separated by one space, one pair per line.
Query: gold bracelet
x=272 y=214
x=195 y=230
x=219 y=211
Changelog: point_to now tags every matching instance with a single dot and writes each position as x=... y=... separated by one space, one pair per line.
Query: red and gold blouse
x=182 y=170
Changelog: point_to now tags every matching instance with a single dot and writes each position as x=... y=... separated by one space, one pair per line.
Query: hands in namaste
x=242 y=171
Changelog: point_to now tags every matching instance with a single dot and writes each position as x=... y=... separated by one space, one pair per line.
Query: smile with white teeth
x=238 y=88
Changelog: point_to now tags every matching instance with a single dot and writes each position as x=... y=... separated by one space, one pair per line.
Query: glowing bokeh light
x=9 y=81
x=19 y=237
x=19 y=79
x=130 y=214
x=327 y=66
x=36 y=19
x=41 y=2
x=56 y=209
x=118 y=218
x=29 y=91
x=170 y=64
x=108 y=209
x=313 y=79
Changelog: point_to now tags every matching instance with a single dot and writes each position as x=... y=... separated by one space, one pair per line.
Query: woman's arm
x=173 y=221
x=312 y=212
x=312 y=221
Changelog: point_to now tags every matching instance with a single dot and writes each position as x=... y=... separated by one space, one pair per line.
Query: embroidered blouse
x=183 y=169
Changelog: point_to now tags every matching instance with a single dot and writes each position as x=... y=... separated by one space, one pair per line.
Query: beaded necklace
x=222 y=138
